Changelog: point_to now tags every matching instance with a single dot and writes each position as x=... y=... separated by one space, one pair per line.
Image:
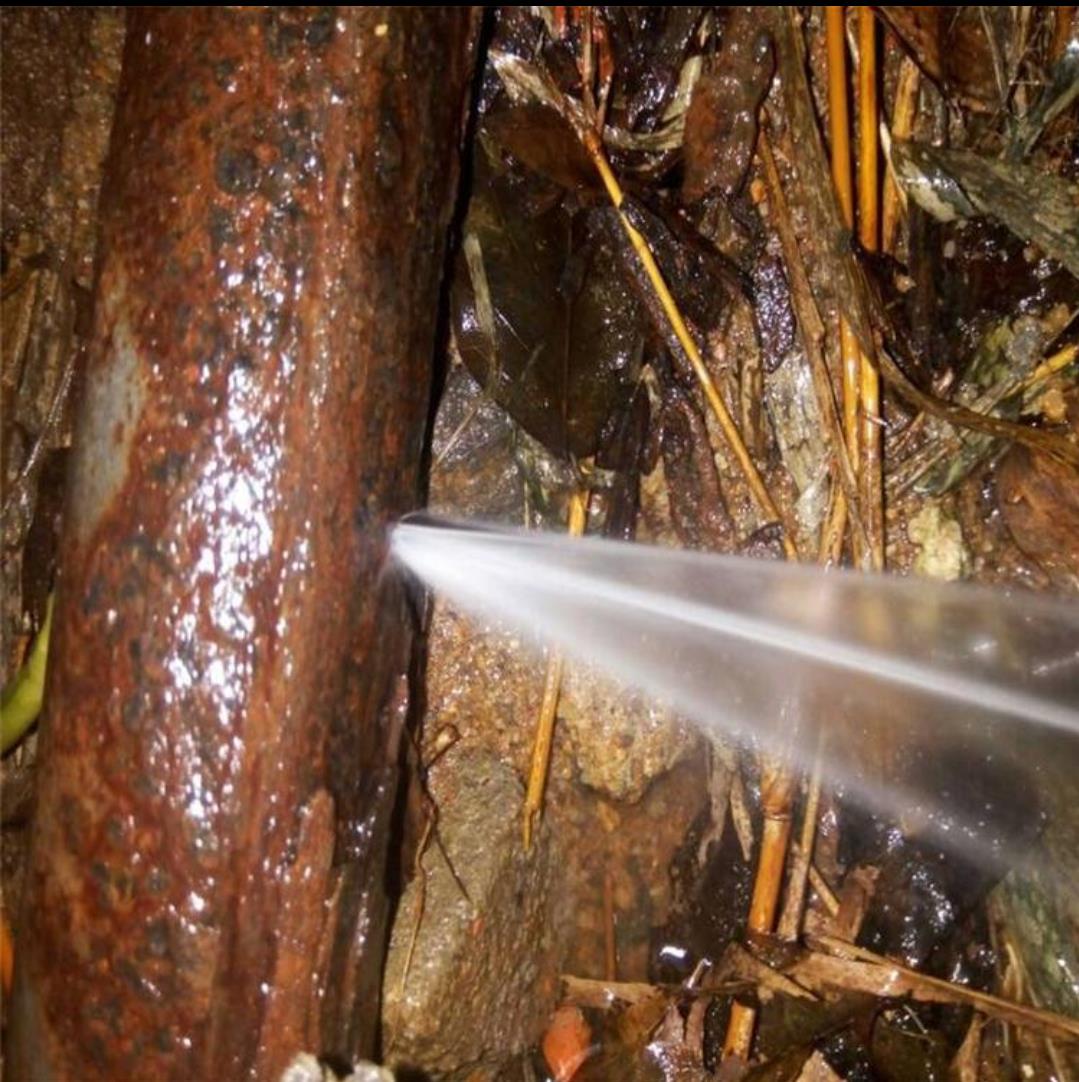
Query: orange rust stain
x=7 y=955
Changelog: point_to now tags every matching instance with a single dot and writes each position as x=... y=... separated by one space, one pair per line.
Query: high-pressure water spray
x=770 y=653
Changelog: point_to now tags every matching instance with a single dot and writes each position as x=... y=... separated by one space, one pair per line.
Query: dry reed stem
x=850 y=354
x=872 y=477
x=966 y=1063
x=830 y=548
x=715 y=401
x=903 y=115
x=777 y=787
x=868 y=127
x=740 y=963
x=1057 y=447
x=811 y=329
x=915 y=466
x=552 y=687
x=839 y=136
x=824 y=890
x=790 y=920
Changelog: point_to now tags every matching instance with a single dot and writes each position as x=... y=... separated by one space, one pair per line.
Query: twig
x=868 y=232
x=685 y=339
x=790 y=920
x=855 y=968
x=811 y=329
x=903 y=115
x=1057 y=447
x=741 y=963
x=824 y=891
x=868 y=125
x=740 y=817
x=965 y=1063
x=777 y=784
x=915 y=465
x=421 y=906
x=839 y=133
x=552 y=687
x=446 y=738
x=858 y=374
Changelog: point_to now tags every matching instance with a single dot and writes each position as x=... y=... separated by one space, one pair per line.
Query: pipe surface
x=229 y=674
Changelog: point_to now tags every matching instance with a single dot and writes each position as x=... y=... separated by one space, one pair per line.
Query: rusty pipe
x=218 y=755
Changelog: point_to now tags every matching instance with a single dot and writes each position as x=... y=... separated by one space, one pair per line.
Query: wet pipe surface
x=205 y=887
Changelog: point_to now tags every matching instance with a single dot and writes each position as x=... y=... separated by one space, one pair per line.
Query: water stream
x=779 y=656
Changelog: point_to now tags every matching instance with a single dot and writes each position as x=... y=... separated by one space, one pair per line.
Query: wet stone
x=488 y=683
x=621 y=740
x=939 y=538
x=484 y=971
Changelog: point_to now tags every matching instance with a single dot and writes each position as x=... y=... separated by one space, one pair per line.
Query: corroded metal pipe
x=205 y=894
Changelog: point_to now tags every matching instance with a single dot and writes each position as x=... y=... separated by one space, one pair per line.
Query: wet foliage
x=975 y=292
x=543 y=317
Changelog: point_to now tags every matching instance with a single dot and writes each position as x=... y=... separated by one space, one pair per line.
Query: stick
x=777 y=784
x=552 y=687
x=868 y=230
x=903 y=114
x=824 y=891
x=685 y=339
x=790 y=920
x=918 y=463
x=856 y=968
x=839 y=134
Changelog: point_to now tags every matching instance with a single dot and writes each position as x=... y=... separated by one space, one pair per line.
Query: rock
x=620 y=740
x=942 y=553
x=484 y=972
x=487 y=683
